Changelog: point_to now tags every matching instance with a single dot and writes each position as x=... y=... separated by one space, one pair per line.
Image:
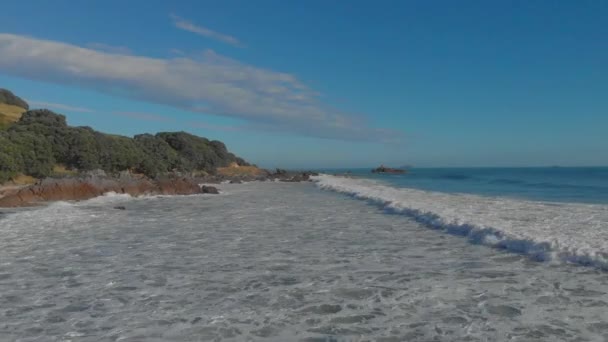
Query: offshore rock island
x=42 y=159
x=388 y=170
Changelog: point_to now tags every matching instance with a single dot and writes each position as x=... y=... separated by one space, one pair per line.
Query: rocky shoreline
x=88 y=186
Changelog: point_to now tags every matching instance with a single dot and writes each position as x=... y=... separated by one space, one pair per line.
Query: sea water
x=545 y=213
x=556 y=184
x=339 y=260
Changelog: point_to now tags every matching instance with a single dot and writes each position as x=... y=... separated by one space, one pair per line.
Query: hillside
x=11 y=108
x=40 y=143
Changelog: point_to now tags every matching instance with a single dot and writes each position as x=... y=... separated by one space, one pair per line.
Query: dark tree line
x=42 y=139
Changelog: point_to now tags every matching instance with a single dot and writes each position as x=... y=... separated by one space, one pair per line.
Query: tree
x=41 y=139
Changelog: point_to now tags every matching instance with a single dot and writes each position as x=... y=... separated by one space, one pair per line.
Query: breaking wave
x=569 y=232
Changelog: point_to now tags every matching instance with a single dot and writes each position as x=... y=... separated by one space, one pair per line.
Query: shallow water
x=279 y=262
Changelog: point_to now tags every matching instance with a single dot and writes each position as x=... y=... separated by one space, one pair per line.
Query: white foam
x=546 y=231
x=108 y=197
x=312 y=266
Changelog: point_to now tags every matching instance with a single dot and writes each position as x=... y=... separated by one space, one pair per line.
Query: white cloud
x=186 y=25
x=212 y=84
x=110 y=48
x=59 y=106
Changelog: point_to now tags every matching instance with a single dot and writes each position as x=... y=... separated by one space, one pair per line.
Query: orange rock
x=72 y=189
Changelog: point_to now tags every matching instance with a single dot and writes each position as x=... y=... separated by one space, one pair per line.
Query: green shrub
x=42 y=139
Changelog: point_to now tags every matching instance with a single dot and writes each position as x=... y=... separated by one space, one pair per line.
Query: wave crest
x=568 y=232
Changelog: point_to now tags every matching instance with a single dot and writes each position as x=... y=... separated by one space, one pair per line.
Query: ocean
x=555 y=184
x=545 y=213
x=435 y=255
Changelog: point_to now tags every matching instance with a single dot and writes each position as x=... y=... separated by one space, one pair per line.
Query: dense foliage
x=42 y=139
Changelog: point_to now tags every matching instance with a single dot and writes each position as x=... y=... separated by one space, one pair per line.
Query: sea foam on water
x=290 y=262
x=570 y=232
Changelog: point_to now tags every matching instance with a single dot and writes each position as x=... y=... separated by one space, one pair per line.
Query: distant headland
x=44 y=159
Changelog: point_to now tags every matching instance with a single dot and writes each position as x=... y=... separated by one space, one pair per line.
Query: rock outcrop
x=210 y=190
x=292 y=176
x=67 y=189
x=384 y=169
x=96 y=183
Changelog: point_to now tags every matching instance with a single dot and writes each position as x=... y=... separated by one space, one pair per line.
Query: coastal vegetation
x=39 y=143
x=11 y=108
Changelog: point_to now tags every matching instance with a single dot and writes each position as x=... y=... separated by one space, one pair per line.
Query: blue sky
x=326 y=83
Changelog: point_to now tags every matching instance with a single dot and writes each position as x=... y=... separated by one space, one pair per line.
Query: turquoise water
x=556 y=184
